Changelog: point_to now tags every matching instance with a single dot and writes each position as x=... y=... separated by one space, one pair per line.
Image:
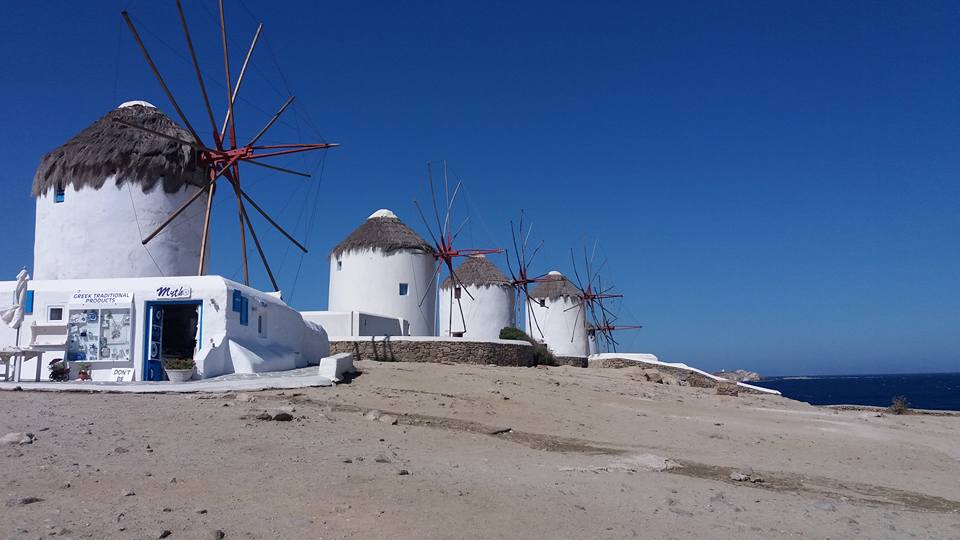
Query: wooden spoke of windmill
x=222 y=157
x=444 y=238
x=521 y=279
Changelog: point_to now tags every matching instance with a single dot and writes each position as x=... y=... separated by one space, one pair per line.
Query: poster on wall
x=83 y=335
x=101 y=329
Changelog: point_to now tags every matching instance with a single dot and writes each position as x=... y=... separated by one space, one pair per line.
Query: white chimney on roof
x=384 y=213
x=136 y=102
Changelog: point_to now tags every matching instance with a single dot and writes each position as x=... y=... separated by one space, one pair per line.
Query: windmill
x=223 y=157
x=606 y=324
x=443 y=240
x=596 y=315
x=521 y=280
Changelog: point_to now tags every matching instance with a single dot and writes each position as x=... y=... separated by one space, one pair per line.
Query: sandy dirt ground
x=476 y=452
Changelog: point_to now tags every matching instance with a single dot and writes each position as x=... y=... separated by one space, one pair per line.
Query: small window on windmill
x=404 y=289
x=59 y=193
x=542 y=302
x=339 y=265
x=456 y=292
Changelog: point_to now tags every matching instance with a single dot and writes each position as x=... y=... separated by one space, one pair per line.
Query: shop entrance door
x=173 y=332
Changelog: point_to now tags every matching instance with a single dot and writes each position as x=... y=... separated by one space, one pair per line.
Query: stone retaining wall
x=575 y=361
x=500 y=352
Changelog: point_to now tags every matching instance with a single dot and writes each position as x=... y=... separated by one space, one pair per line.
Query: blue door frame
x=153 y=370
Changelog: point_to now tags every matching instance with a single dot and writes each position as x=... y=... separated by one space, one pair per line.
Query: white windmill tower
x=485 y=301
x=385 y=268
x=555 y=308
x=97 y=191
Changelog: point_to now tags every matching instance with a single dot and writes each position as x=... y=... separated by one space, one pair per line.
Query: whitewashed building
x=128 y=327
x=106 y=188
x=385 y=268
x=490 y=309
x=559 y=318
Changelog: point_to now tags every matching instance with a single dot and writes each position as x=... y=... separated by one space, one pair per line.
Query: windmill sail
x=222 y=157
x=594 y=301
x=443 y=238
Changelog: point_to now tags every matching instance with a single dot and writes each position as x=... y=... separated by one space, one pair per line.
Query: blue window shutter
x=237 y=301
x=244 y=311
x=28 y=303
x=59 y=195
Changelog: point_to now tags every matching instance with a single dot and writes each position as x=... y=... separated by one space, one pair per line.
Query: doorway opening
x=173 y=332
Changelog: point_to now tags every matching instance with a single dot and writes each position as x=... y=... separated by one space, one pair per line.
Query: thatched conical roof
x=383 y=230
x=555 y=286
x=108 y=148
x=477 y=270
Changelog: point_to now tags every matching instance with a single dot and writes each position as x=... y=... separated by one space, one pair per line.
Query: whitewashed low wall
x=357 y=323
x=336 y=367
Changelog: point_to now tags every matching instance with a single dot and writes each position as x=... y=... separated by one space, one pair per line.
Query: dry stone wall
x=575 y=361
x=386 y=349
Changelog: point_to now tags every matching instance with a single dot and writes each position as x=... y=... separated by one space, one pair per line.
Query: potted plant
x=84 y=373
x=179 y=369
x=59 y=370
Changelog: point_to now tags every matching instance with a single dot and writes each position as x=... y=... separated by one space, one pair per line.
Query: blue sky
x=774 y=186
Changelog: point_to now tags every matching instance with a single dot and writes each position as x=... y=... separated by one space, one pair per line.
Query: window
x=339 y=265
x=59 y=193
x=28 y=303
x=456 y=292
x=244 y=310
x=260 y=328
x=55 y=313
x=404 y=289
x=237 y=301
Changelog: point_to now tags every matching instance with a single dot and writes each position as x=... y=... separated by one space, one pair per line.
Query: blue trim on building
x=148 y=319
x=28 y=303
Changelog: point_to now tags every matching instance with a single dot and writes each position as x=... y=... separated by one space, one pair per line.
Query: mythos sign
x=179 y=291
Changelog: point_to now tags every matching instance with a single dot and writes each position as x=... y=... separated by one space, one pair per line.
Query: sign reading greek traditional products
x=105 y=297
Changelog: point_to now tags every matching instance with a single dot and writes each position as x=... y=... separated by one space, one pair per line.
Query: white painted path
x=275 y=380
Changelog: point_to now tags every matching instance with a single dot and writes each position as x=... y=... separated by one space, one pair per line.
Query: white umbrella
x=13 y=316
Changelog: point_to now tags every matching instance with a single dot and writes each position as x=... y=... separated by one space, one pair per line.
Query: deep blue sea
x=923 y=391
